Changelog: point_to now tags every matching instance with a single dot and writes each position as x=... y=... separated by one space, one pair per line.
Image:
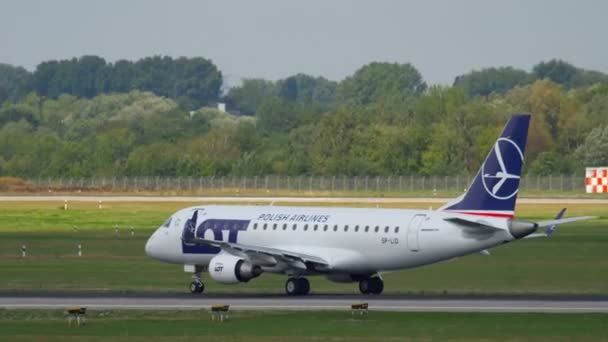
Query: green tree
x=492 y=80
x=112 y=149
x=332 y=142
x=568 y=75
x=307 y=89
x=15 y=82
x=594 y=151
x=444 y=154
x=550 y=163
x=386 y=150
x=196 y=79
x=276 y=116
x=375 y=81
x=247 y=98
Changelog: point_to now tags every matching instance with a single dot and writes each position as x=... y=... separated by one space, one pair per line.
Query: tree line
x=191 y=82
x=157 y=117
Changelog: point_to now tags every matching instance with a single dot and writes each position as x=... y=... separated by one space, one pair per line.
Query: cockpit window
x=167 y=223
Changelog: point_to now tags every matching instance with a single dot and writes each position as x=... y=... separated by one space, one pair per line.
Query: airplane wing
x=264 y=256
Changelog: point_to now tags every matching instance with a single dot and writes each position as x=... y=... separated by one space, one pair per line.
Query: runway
x=314 y=302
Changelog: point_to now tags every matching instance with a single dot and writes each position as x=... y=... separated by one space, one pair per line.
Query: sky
x=274 y=39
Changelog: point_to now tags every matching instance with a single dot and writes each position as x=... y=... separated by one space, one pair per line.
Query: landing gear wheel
x=297 y=286
x=304 y=286
x=197 y=287
x=291 y=286
x=364 y=286
x=377 y=286
x=373 y=285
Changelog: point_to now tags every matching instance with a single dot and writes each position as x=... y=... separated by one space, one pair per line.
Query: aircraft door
x=413 y=231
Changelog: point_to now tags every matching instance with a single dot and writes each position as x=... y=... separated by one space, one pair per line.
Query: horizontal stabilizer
x=552 y=224
x=562 y=221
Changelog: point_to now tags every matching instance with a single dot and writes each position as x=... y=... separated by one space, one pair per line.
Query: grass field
x=239 y=192
x=573 y=261
x=21 y=325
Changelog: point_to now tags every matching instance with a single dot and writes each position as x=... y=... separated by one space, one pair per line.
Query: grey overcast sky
x=277 y=38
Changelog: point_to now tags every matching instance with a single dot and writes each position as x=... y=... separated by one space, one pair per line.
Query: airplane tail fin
x=494 y=190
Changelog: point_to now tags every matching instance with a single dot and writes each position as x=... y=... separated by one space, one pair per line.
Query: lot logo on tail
x=496 y=178
x=494 y=189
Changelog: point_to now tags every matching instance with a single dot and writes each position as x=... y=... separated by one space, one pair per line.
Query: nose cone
x=150 y=246
x=162 y=246
x=154 y=247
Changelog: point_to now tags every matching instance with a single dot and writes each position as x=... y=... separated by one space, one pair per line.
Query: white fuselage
x=352 y=240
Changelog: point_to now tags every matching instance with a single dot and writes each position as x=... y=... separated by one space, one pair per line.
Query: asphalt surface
x=313 y=302
x=262 y=199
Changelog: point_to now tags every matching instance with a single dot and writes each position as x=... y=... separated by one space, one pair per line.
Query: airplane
x=236 y=244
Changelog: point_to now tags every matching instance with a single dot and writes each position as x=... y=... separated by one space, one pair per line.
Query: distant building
x=221 y=106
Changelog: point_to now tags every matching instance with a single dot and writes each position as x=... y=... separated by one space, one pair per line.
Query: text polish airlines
x=238 y=243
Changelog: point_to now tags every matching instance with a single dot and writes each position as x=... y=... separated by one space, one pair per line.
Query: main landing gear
x=297 y=286
x=373 y=285
x=197 y=286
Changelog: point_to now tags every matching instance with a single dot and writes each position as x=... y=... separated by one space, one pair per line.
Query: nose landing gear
x=197 y=286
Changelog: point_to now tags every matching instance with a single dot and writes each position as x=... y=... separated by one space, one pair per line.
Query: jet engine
x=230 y=269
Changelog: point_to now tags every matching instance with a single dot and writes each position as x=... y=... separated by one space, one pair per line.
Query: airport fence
x=299 y=184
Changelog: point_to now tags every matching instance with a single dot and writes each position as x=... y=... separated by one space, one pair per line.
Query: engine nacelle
x=520 y=229
x=229 y=269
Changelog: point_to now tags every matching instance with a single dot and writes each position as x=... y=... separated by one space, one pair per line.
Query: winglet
x=552 y=227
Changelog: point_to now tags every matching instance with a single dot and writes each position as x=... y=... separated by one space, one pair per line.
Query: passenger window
x=305 y=227
x=366 y=229
x=356 y=228
x=346 y=228
x=316 y=227
x=284 y=226
x=376 y=229
x=386 y=229
x=274 y=226
x=294 y=226
x=325 y=228
x=255 y=226
x=396 y=229
x=265 y=226
x=335 y=228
